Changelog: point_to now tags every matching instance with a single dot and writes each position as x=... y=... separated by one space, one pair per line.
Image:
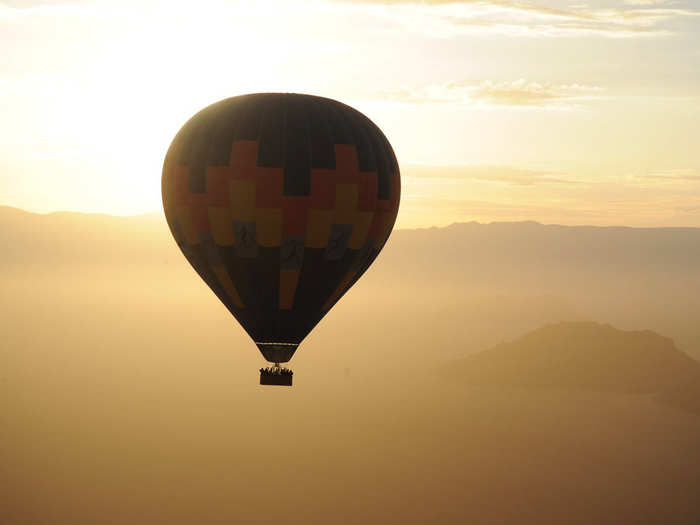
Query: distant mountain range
x=70 y=239
x=472 y=249
x=529 y=250
x=463 y=287
x=587 y=356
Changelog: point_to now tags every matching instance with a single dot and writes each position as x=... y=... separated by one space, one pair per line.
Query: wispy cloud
x=665 y=198
x=524 y=93
x=501 y=174
x=675 y=175
x=434 y=18
x=646 y=2
x=448 y=18
x=520 y=92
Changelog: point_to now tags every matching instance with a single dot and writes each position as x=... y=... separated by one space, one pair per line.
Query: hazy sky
x=557 y=111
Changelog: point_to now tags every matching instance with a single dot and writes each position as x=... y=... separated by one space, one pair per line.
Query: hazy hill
x=587 y=356
x=509 y=249
x=463 y=287
x=465 y=250
x=67 y=239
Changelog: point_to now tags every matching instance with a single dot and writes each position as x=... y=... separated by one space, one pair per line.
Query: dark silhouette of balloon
x=280 y=202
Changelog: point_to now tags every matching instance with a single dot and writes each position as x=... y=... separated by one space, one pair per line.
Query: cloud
x=524 y=93
x=436 y=18
x=445 y=18
x=502 y=174
x=688 y=209
x=520 y=92
x=446 y=194
x=573 y=211
x=646 y=2
x=675 y=175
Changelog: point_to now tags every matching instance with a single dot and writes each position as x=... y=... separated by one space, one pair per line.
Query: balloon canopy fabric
x=280 y=202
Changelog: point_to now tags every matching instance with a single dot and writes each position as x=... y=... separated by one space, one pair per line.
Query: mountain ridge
x=587 y=356
x=4 y=208
x=483 y=282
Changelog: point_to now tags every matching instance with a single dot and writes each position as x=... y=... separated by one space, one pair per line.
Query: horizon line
x=159 y=215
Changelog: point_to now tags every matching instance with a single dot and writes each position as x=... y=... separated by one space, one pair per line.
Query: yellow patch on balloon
x=242 y=198
x=184 y=217
x=346 y=196
x=363 y=220
x=268 y=223
x=221 y=223
x=318 y=229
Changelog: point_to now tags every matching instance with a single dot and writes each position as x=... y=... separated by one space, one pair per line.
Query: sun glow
x=120 y=110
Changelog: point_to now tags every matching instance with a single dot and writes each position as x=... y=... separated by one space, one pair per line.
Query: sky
x=498 y=110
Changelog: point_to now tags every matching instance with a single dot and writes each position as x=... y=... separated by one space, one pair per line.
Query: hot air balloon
x=280 y=202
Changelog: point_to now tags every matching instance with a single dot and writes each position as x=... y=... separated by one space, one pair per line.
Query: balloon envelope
x=280 y=202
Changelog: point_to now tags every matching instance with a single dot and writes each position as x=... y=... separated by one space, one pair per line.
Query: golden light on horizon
x=89 y=116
